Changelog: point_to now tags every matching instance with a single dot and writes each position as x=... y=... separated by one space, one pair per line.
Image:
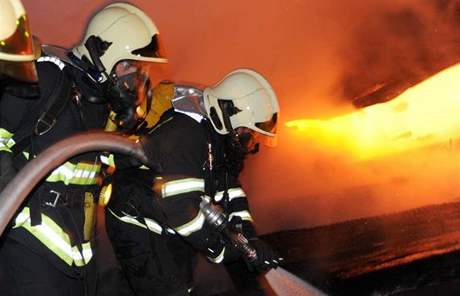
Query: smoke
x=401 y=46
x=380 y=43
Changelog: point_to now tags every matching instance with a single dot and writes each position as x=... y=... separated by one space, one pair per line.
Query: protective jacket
x=57 y=220
x=153 y=218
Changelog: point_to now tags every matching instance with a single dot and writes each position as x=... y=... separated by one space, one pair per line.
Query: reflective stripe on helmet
x=232 y=194
x=180 y=186
x=192 y=226
x=245 y=215
x=6 y=140
x=77 y=174
x=55 y=239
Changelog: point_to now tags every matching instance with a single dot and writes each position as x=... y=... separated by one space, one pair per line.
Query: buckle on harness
x=44 y=125
x=56 y=199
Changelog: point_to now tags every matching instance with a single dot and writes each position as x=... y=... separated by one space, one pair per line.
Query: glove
x=267 y=258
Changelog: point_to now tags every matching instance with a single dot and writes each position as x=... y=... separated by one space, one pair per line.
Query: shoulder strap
x=56 y=98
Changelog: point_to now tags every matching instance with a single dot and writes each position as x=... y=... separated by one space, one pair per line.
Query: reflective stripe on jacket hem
x=55 y=239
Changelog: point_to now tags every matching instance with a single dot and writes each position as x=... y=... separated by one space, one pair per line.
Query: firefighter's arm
x=180 y=200
x=241 y=220
x=12 y=110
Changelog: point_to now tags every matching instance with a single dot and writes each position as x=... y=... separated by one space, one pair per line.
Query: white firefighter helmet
x=244 y=98
x=126 y=32
x=17 y=47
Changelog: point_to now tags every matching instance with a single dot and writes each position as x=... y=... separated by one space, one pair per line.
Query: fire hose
x=281 y=281
x=28 y=177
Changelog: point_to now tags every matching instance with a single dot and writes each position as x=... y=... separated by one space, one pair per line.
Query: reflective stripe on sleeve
x=219 y=257
x=78 y=174
x=245 y=215
x=232 y=194
x=192 y=226
x=180 y=186
x=151 y=224
x=54 y=238
x=6 y=140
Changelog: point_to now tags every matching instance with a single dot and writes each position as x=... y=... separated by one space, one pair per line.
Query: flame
x=424 y=115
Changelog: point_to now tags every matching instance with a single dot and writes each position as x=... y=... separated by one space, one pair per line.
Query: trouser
x=152 y=264
x=24 y=272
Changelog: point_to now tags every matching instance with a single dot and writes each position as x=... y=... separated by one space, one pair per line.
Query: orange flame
x=424 y=115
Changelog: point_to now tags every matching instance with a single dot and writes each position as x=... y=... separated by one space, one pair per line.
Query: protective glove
x=266 y=259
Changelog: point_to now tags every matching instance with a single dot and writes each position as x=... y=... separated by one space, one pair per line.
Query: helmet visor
x=136 y=78
x=268 y=126
x=152 y=50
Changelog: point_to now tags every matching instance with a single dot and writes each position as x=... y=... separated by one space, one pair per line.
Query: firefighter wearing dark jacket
x=198 y=149
x=49 y=248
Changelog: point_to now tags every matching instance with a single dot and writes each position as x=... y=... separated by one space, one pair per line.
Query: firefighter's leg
x=25 y=273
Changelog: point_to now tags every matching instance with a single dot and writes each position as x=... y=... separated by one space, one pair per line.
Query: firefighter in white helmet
x=198 y=148
x=49 y=249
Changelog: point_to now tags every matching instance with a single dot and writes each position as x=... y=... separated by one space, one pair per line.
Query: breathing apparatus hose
x=28 y=177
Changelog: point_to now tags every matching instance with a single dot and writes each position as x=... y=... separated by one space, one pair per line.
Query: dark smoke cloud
x=400 y=47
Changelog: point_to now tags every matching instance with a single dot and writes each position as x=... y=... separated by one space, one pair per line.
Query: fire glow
x=424 y=115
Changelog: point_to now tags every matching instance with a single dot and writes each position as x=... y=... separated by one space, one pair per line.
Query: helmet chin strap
x=120 y=92
x=96 y=48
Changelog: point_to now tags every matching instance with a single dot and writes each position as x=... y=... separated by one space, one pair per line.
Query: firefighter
x=49 y=247
x=197 y=150
x=18 y=74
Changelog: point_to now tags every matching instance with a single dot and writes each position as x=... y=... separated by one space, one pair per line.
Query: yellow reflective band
x=54 y=238
x=232 y=194
x=192 y=226
x=242 y=214
x=6 y=140
x=219 y=257
x=86 y=251
x=151 y=224
x=182 y=186
x=108 y=160
x=78 y=174
x=105 y=194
